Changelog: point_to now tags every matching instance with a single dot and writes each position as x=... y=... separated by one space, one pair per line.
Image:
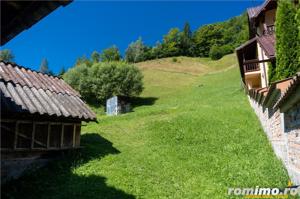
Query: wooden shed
x=39 y=114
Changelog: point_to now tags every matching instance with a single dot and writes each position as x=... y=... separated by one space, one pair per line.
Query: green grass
x=193 y=135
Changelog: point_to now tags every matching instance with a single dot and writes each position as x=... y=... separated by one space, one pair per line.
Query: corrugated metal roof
x=254 y=39
x=268 y=44
x=256 y=11
x=35 y=92
x=253 y=11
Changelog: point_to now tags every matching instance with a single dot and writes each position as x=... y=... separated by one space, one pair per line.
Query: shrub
x=217 y=52
x=105 y=79
x=287 y=42
x=174 y=59
x=77 y=77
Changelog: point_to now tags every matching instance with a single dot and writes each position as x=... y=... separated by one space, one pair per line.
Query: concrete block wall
x=283 y=131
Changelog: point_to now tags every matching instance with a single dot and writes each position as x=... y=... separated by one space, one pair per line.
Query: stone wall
x=283 y=131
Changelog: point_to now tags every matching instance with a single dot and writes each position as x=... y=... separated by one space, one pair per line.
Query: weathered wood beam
x=32 y=135
x=74 y=135
x=16 y=135
x=62 y=136
x=48 y=136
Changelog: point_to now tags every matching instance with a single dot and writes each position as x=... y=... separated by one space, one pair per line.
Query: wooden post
x=48 y=136
x=16 y=134
x=33 y=134
x=74 y=135
x=62 y=136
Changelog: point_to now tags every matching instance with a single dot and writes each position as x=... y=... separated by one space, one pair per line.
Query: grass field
x=192 y=134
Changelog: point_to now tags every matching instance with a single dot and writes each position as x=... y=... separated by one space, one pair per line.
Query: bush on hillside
x=287 y=41
x=105 y=79
x=217 y=52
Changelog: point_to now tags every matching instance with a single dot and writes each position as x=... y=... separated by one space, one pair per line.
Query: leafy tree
x=231 y=33
x=6 y=55
x=157 y=50
x=287 y=41
x=135 y=51
x=171 y=43
x=78 y=77
x=105 y=79
x=95 y=57
x=206 y=37
x=83 y=60
x=111 y=54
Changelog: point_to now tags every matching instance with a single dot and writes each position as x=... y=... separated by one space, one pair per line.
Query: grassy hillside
x=192 y=135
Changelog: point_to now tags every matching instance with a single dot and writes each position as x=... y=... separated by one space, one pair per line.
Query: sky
x=82 y=27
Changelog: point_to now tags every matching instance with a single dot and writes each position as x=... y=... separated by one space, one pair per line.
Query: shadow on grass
x=142 y=101
x=57 y=180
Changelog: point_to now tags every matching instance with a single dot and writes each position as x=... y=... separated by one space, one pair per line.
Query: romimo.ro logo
x=263 y=192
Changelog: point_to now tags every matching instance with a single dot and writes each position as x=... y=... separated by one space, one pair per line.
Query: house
x=277 y=104
x=40 y=114
x=256 y=55
x=17 y=16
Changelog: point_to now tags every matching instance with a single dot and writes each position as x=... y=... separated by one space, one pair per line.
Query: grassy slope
x=191 y=137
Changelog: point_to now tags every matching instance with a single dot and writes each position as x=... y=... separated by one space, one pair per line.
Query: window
x=68 y=135
x=77 y=133
x=24 y=135
x=55 y=135
x=7 y=134
x=40 y=136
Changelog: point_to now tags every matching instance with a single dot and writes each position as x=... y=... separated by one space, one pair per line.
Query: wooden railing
x=270 y=30
x=251 y=66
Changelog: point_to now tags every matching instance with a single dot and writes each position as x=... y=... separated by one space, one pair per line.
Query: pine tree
x=44 y=68
x=186 y=40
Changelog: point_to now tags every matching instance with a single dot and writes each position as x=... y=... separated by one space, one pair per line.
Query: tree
x=287 y=41
x=111 y=54
x=44 y=68
x=83 y=60
x=186 y=40
x=95 y=57
x=135 y=51
x=171 y=43
x=157 y=50
x=6 y=55
x=105 y=79
x=79 y=78
x=206 y=37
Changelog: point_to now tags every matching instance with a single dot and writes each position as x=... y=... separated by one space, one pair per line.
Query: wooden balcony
x=269 y=30
x=251 y=65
